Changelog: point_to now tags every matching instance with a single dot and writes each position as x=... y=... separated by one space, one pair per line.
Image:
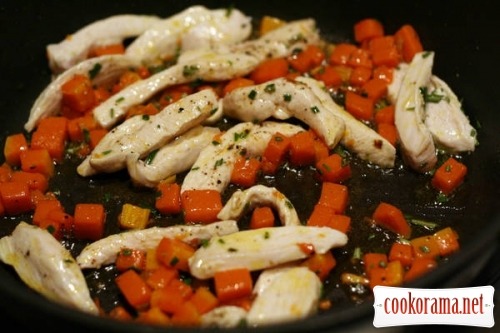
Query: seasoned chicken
x=111 y=139
x=242 y=201
x=283 y=295
x=46 y=266
x=218 y=64
x=280 y=98
x=193 y=28
x=357 y=137
x=176 y=156
x=111 y=154
x=415 y=138
x=104 y=251
x=111 y=30
x=213 y=167
x=445 y=119
x=261 y=248
x=100 y=69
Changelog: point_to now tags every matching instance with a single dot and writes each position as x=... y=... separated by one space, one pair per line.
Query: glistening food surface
x=288 y=117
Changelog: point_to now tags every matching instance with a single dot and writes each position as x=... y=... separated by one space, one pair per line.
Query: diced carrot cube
x=37 y=160
x=89 y=221
x=302 y=150
x=168 y=200
x=335 y=196
x=201 y=206
x=15 y=197
x=14 y=145
x=262 y=217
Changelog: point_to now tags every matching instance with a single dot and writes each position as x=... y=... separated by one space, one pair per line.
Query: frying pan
x=464 y=37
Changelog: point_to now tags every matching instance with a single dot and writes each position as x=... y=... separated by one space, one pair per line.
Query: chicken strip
x=100 y=69
x=116 y=135
x=104 y=251
x=279 y=98
x=111 y=30
x=176 y=156
x=261 y=248
x=283 y=295
x=415 y=138
x=46 y=266
x=242 y=201
x=195 y=27
x=111 y=155
x=218 y=64
x=357 y=137
x=213 y=168
x=449 y=126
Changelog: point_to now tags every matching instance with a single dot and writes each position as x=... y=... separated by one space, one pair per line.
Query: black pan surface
x=463 y=35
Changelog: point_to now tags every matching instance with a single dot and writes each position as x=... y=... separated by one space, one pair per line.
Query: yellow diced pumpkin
x=134 y=217
x=269 y=23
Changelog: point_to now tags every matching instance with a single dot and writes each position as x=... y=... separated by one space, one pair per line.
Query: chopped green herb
x=174 y=261
x=119 y=100
x=252 y=94
x=241 y=135
x=151 y=156
x=433 y=97
x=95 y=70
x=232 y=249
x=145 y=117
x=218 y=163
x=425 y=249
x=126 y=252
x=190 y=70
x=270 y=88
x=86 y=135
x=315 y=109
x=287 y=97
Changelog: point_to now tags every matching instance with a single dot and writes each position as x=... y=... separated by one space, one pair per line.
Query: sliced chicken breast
x=114 y=29
x=282 y=97
x=193 y=28
x=104 y=251
x=110 y=140
x=176 y=156
x=357 y=137
x=261 y=248
x=43 y=263
x=100 y=70
x=416 y=140
x=218 y=64
x=242 y=201
x=175 y=119
x=284 y=295
x=212 y=170
x=445 y=119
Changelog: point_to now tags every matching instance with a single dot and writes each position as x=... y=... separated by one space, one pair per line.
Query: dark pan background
x=464 y=35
